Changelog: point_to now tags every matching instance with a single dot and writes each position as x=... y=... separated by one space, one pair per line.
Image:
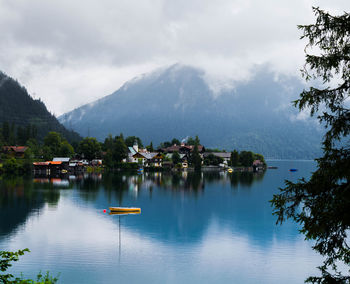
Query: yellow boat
x=125 y=210
x=230 y=170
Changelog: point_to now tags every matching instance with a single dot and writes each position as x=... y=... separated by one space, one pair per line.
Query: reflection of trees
x=188 y=182
x=17 y=200
x=89 y=186
x=245 y=179
x=115 y=184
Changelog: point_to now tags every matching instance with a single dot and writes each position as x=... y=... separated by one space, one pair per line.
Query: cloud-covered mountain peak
x=176 y=101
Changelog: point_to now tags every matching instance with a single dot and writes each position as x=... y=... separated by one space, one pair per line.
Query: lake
x=193 y=228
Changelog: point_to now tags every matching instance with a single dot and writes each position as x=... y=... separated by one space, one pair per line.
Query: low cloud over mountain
x=177 y=102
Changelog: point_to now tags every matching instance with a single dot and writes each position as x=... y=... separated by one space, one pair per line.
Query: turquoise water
x=193 y=228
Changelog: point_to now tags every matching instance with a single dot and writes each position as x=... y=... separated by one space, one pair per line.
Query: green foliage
x=130 y=141
x=24 y=117
x=150 y=147
x=53 y=142
x=6 y=131
x=178 y=166
x=211 y=159
x=213 y=150
x=259 y=157
x=196 y=158
x=108 y=143
x=5 y=262
x=165 y=144
x=34 y=147
x=176 y=158
x=11 y=166
x=55 y=146
x=27 y=163
x=120 y=150
x=175 y=141
x=116 y=151
x=89 y=148
x=321 y=205
x=191 y=141
x=66 y=150
x=246 y=158
x=234 y=159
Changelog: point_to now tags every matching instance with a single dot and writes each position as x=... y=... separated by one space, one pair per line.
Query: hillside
x=177 y=102
x=19 y=108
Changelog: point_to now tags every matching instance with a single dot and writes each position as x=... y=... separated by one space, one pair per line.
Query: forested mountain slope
x=19 y=109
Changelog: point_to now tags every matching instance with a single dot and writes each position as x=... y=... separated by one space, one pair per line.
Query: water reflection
x=206 y=227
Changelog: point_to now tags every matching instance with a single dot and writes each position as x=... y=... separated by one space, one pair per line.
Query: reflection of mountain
x=175 y=208
x=178 y=215
x=180 y=207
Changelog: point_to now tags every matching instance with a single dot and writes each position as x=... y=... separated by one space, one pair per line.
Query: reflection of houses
x=41 y=168
x=14 y=151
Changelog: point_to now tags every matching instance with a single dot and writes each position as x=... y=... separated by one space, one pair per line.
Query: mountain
x=256 y=115
x=17 y=107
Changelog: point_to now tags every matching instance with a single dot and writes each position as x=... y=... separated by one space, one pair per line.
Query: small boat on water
x=272 y=167
x=230 y=170
x=125 y=210
x=293 y=170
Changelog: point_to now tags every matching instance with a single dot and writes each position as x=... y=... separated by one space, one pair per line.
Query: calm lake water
x=193 y=228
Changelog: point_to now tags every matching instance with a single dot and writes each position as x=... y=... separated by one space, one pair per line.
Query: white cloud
x=72 y=52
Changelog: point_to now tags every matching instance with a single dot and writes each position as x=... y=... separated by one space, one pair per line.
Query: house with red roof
x=14 y=151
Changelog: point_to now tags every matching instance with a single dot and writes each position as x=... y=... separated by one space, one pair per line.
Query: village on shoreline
x=56 y=156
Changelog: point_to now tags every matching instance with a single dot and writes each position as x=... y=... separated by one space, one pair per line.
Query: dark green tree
x=175 y=141
x=53 y=142
x=130 y=141
x=6 y=132
x=90 y=148
x=196 y=158
x=10 y=166
x=259 y=157
x=176 y=158
x=66 y=149
x=150 y=147
x=234 y=159
x=120 y=150
x=321 y=204
x=213 y=160
x=191 y=141
x=108 y=143
x=246 y=158
x=12 y=137
x=21 y=136
x=165 y=144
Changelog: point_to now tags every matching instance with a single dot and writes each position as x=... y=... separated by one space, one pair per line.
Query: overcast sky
x=70 y=53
